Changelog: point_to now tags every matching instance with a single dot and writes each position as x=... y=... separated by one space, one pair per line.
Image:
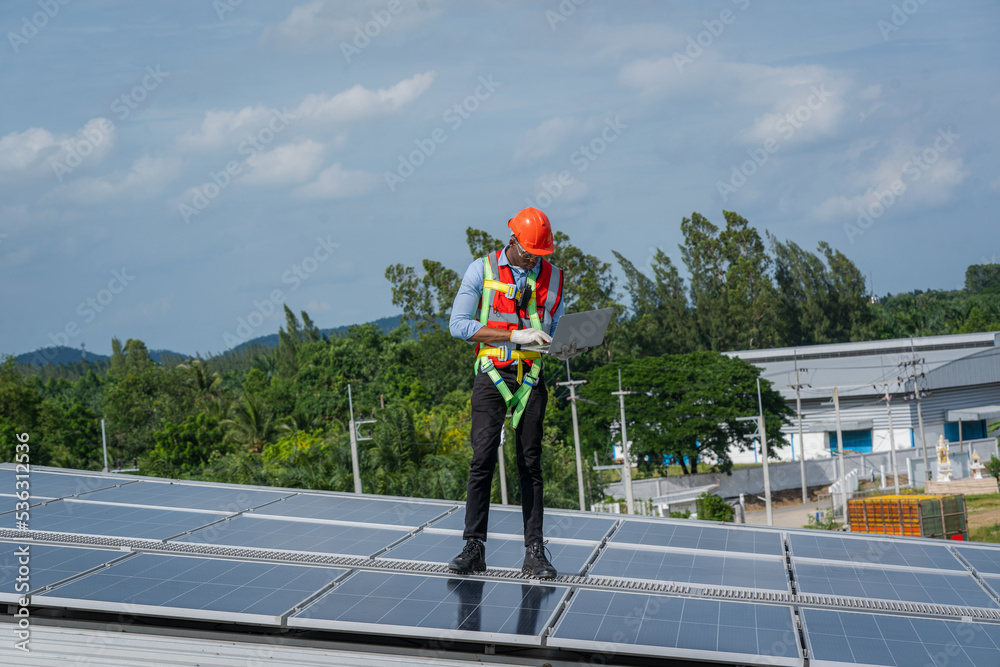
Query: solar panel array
x=328 y=562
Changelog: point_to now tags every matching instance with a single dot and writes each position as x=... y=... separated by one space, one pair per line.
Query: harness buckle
x=511 y=291
x=503 y=354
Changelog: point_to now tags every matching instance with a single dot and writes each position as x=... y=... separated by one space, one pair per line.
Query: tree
x=425 y=300
x=848 y=305
x=658 y=316
x=820 y=303
x=983 y=278
x=70 y=433
x=251 y=423
x=732 y=293
x=482 y=243
x=713 y=508
x=588 y=282
x=750 y=294
x=19 y=409
x=993 y=467
x=139 y=398
x=684 y=407
x=183 y=449
x=703 y=255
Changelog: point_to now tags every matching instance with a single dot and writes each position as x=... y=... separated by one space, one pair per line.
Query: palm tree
x=197 y=375
x=250 y=423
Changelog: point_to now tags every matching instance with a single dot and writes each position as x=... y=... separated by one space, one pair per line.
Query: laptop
x=587 y=329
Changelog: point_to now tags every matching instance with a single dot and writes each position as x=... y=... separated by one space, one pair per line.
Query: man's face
x=520 y=257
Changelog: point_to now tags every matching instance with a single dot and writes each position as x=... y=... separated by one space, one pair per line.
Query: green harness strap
x=518 y=399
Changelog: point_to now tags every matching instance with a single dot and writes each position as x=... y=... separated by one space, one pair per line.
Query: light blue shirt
x=462 y=325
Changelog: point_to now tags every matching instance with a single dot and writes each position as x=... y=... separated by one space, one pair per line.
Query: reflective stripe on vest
x=545 y=282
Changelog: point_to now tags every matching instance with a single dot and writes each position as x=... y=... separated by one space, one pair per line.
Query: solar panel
x=878 y=552
x=192 y=587
x=70 y=516
x=261 y=533
x=405 y=604
x=886 y=584
x=568 y=558
x=694 y=536
x=49 y=485
x=360 y=510
x=556 y=526
x=46 y=565
x=986 y=561
x=188 y=496
x=687 y=567
x=616 y=622
x=837 y=638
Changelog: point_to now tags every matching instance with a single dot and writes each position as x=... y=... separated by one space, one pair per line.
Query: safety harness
x=486 y=353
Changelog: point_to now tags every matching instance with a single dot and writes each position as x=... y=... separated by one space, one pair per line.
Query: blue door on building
x=858 y=441
x=970 y=430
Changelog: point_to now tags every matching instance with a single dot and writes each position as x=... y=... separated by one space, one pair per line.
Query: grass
x=986 y=501
x=983 y=502
x=986 y=533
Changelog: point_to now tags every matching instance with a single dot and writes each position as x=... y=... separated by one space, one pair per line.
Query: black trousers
x=488 y=411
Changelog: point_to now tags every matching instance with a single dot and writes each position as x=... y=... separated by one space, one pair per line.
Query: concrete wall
x=819 y=472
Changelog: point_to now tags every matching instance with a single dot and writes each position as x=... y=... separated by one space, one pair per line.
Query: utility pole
x=576 y=431
x=840 y=452
x=892 y=442
x=763 y=450
x=104 y=442
x=912 y=363
x=355 y=438
x=802 y=443
x=627 y=464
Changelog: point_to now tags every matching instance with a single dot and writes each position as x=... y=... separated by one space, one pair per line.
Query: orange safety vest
x=507 y=310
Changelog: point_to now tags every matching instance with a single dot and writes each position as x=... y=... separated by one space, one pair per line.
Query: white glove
x=568 y=351
x=529 y=337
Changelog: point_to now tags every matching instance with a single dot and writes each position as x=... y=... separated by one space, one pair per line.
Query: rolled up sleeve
x=462 y=325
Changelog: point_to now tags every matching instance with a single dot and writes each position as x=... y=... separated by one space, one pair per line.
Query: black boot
x=536 y=563
x=472 y=559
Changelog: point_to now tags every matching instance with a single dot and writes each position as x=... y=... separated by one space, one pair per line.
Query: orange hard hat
x=533 y=231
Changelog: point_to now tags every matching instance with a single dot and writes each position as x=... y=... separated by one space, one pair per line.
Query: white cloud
x=804 y=102
x=360 y=102
x=29 y=150
x=285 y=165
x=19 y=150
x=927 y=182
x=222 y=129
x=227 y=129
x=335 y=182
x=545 y=139
x=145 y=178
x=327 y=23
x=857 y=148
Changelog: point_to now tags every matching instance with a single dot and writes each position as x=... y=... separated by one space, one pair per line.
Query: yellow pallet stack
x=942 y=517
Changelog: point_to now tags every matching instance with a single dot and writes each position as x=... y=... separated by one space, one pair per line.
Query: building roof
x=294 y=575
x=944 y=361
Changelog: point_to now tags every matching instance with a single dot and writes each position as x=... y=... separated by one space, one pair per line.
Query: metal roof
x=974 y=414
x=945 y=361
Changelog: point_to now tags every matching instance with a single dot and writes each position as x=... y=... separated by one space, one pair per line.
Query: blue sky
x=172 y=171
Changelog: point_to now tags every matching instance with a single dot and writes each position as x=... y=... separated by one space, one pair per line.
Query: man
x=518 y=296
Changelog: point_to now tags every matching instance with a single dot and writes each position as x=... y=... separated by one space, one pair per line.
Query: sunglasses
x=524 y=253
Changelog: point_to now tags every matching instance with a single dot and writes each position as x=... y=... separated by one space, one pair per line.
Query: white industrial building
x=958 y=377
